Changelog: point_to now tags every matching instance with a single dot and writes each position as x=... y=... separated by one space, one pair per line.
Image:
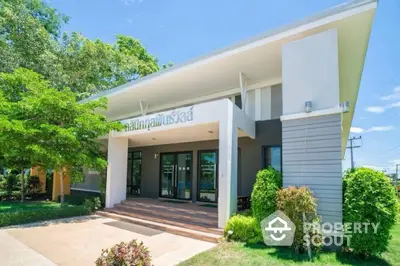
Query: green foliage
x=68 y=131
x=243 y=228
x=34 y=186
x=29 y=38
x=11 y=183
x=15 y=216
x=295 y=202
x=263 y=196
x=369 y=198
x=92 y=204
x=129 y=254
x=76 y=199
x=3 y=182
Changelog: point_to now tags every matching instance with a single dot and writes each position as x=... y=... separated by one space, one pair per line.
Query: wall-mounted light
x=155 y=156
x=345 y=106
x=308 y=106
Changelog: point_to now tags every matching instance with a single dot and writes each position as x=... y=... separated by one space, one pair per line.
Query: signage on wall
x=177 y=116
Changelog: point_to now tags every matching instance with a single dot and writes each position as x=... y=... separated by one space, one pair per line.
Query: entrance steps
x=184 y=219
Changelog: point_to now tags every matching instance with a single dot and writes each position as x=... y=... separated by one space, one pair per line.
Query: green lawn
x=34 y=205
x=12 y=213
x=243 y=254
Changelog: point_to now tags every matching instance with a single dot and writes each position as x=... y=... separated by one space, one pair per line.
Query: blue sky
x=179 y=30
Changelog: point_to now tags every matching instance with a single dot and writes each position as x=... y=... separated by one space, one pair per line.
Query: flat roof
x=245 y=44
x=259 y=59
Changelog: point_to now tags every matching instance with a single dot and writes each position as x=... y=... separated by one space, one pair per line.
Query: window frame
x=265 y=155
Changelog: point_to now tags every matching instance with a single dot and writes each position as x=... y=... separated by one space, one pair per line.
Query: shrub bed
x=16 y=214
x=369 y=197
x=294 y=202
x=263 y=197
x=129 y=254
x=243 y=228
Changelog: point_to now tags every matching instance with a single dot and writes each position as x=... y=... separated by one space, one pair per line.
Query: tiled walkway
x=79 y=242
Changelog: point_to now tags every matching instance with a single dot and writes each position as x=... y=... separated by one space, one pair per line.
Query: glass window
x=238 y=101
x=208 y=176
x=273 y=157
x=134 y=172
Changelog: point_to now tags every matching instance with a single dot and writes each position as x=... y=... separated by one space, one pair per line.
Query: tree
x=29 y=31
x=95 y=66
x=15 y=136
x=62 y=133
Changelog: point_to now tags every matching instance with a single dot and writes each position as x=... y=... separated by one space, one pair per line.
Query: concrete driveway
x=80 y=241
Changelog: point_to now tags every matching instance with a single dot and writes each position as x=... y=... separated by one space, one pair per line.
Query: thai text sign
x=177 y=116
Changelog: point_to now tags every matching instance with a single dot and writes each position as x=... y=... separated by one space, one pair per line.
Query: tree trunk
x=62 y=186
x=22 y=185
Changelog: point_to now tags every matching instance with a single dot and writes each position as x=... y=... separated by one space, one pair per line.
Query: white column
x=227 y=172
x=116 y=170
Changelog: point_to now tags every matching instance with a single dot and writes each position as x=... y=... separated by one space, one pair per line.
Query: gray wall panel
x=276 y=101
x=312 y=157
x=92 y=182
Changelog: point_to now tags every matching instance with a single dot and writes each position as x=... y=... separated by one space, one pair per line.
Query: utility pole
x=351 y=147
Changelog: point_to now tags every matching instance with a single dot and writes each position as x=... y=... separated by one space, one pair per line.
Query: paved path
x=79 y=242
x=14 y=252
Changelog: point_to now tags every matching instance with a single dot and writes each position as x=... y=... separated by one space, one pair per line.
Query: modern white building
x=200 y=131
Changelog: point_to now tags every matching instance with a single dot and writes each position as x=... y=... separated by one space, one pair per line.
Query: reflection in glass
x=134 y=173
x=208 y=176
x=167 y=175
x=184 y=164
x=274 y=158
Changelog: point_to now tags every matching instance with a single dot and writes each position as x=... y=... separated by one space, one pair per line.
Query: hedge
x=244 y=229
x=35 y=215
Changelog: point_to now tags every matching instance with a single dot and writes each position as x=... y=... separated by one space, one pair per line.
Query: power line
x=352 y=147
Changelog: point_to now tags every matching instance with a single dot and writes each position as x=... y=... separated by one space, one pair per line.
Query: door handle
x=176 y=175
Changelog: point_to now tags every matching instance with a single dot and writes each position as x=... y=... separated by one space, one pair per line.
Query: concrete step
x=200 y=219
x=184 y=209
x=173 y=222
x=173 y=229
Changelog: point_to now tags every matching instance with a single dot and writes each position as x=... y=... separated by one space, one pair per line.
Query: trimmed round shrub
x=129 y=254
x=294 y=202
x=369 y=197
x=263 y=197
x=243 y=228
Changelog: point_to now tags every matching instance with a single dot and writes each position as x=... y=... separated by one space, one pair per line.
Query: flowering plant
x=125 y=254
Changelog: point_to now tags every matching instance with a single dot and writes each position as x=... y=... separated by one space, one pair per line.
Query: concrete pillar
x=57 y=184
x=116 y=170
x=227 y=168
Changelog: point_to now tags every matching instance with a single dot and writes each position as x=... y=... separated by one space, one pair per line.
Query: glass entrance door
x=208 y=176
x=134 y=173
x=176 y=175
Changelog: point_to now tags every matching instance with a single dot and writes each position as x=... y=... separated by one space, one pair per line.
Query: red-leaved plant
x=125 y=254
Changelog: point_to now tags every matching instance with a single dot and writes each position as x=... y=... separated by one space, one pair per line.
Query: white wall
x=116 y=170
x=310 y=72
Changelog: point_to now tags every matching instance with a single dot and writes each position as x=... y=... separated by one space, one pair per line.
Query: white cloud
x=395 y=105
x=375 y=109
x=129 y=20
x=131 y=2
x=381 y=109
x=393 y=96
x=380 y=129
x=357 y=130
